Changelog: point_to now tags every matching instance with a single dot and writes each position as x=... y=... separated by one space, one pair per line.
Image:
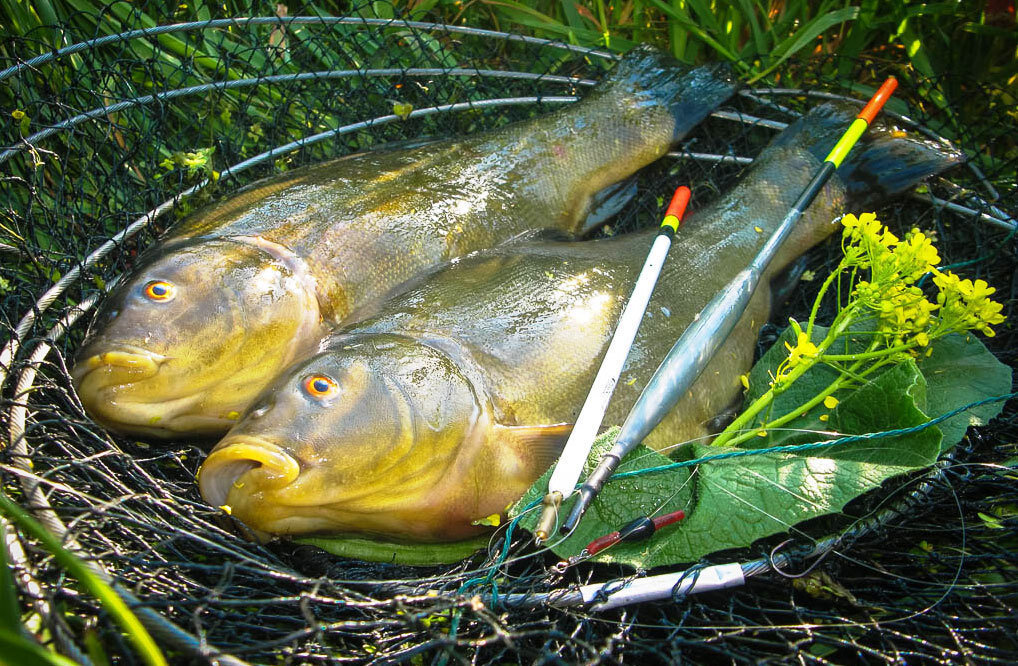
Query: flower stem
x=841 y=324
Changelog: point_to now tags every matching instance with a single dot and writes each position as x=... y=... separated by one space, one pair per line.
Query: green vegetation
x=951 y=43
x=13 y=639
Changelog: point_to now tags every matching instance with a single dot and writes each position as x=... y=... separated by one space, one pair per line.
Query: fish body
x=448 y=403
x=256 y=280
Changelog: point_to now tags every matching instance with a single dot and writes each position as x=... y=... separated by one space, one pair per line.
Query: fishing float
x=698 y=343
x=570 y=463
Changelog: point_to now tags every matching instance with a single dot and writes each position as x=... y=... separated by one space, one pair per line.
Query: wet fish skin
x=347 y=233
x=460 y=392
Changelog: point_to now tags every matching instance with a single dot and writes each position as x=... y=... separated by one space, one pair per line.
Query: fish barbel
x=240 y=290
x=445 y=406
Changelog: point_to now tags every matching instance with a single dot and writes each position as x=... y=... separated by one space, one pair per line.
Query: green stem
x=849 y=375
x=109 y=599
x=804 y=407
x=820 y=296
x=840 y=325
x=867 y=354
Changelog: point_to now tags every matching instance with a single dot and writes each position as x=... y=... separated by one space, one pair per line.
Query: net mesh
x=104 y=151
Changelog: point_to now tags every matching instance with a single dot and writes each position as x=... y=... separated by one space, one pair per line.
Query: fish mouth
x=123 y=365
x=111 y=386
x=221 y=473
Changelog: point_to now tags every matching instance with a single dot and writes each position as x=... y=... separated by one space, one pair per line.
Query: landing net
x=118 y=133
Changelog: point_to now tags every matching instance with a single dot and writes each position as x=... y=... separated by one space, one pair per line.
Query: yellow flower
x=803 y=349
x=966 y=304
x=830 y=402
x=916 y=256
x=864 y=225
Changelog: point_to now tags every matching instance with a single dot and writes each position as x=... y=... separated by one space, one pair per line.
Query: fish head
x=186 y=343
x=383 y=436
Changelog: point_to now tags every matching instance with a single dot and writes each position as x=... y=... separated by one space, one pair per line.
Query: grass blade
x=686 y=23
x=110 y=600
x=759 y=38
x=10 y=613
x=806 y=35
x=16 y=649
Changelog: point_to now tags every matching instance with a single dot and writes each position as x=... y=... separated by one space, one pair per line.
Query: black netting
x=99 y=143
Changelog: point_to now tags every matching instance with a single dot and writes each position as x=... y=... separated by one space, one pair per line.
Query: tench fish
x=239 y=291
x=447 y=404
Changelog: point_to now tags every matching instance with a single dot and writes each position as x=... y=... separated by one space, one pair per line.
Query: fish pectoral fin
x=536 y=447
x=606 y=204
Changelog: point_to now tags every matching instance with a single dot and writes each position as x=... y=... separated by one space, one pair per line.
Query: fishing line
x=799 y=448
x=948 y=588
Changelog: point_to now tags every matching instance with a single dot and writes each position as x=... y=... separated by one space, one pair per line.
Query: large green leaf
x=741 y=500
x=617 y=504
x=733 y=502
x=960 y=371
x=729 y=503
x=893 y=400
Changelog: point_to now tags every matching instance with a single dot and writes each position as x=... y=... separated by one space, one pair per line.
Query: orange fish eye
x=320 y=386
x=160 y=291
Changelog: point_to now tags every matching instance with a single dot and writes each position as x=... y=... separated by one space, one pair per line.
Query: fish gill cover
x=99 y=137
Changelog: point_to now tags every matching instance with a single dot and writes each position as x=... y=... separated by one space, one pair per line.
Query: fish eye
x=160 y=291
x=320 y=387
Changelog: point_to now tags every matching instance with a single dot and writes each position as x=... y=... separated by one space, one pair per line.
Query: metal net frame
x=916 y=571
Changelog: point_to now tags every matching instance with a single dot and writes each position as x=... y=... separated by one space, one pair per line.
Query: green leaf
x=742 y=500
x=409 y=554
x=728 y=503
x=684 y=20
x=960 y=371
x=731 y=503
x=807 y=427
x=991 y=521
x=17 y=649
x=617 y=504
x=807 y=35
x=891 y=401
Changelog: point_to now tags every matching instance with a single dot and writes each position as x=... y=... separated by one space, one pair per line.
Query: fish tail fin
x=886 y=161
x=654 y=77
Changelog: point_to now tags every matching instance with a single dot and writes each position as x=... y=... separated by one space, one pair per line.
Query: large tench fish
x=446 y=405
x=239 y=291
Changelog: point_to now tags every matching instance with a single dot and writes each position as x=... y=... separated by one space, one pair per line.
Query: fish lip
x=140 y=363
x=234 y=457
